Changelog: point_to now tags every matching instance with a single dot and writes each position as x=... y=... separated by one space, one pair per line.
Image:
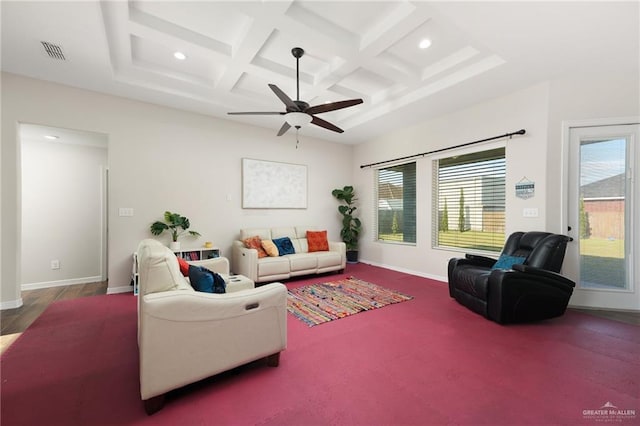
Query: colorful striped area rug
x=319 y=303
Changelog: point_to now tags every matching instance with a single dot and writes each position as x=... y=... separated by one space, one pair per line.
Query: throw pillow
x=205 y=280
x=270 y=248
x=284 y=245
x=317 y=241
x=506 y=261
x=184 y=266
x=255 y=243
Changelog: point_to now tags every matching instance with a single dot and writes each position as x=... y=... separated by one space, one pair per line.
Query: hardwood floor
x=628 y=317
x=36 y=301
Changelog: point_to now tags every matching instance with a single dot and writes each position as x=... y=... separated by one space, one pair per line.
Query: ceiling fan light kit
x=297 y=119
x=298 y=113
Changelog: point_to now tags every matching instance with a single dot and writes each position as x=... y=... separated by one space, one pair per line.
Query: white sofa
x=185 y=336
x=245 y=261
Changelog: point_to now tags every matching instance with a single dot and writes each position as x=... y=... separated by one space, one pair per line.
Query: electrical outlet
x=55 y=264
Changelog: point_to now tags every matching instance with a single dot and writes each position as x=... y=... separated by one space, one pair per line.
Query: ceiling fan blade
x=322 y=123
x=284 y=98
x=257 y=113
x=284 y=129
x=332 y=106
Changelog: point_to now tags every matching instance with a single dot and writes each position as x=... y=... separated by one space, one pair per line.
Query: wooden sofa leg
x=153 y=405
x=273 y=360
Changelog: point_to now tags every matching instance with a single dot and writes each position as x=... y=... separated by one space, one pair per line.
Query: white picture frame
x=273 y=185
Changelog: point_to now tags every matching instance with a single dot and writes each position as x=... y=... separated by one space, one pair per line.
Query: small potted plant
x=351 y=225
x=176 y=224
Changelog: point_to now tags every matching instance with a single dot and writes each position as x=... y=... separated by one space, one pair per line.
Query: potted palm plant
x=176 y=224
x=351 y=225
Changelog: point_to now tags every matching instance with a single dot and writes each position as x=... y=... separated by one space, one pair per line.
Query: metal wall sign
x=525 y=188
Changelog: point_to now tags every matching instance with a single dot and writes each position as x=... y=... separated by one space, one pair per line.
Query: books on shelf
x=200 y=254
x=192 y=255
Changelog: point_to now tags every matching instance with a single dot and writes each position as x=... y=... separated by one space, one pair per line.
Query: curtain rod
x=506 y=135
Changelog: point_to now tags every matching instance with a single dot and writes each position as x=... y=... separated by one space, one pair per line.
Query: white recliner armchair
x=185 y=336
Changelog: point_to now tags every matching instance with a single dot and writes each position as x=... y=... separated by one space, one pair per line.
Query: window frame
x=435 y=223
x=376 y=200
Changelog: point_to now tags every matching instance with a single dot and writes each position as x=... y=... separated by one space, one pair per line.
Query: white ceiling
x=354 y=49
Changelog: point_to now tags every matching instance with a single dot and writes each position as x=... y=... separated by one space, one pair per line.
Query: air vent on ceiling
x=53 y=50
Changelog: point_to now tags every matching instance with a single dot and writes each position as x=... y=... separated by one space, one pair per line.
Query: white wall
x=537 y=155
x=61 y=212
x=162 y=159
x=525 y=157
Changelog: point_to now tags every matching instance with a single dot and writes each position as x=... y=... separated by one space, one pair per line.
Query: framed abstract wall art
x=273 y=185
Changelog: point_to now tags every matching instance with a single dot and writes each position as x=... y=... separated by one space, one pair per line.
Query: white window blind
x=396 y=203
x=469 y=201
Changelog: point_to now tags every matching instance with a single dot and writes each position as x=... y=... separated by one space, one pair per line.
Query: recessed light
x=179 y=55
x=51 y=137
x=424 y=43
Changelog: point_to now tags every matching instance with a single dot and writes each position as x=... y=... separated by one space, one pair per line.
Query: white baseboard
x=11 y=304
x=407 y=271
x=123 y=289
x=60 y=283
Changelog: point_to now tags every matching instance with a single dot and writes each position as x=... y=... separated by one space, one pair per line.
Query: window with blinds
x=396 y=203
x=469 y=201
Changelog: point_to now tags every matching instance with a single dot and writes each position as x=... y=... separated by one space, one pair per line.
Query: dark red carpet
x=425 y=361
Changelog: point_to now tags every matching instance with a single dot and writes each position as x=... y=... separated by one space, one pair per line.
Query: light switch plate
x=530 y=212
x=125 y=211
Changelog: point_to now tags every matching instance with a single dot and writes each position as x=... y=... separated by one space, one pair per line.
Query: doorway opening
x=63 y=215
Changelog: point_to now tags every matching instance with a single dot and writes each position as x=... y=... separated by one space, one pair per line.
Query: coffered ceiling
x=353 y=49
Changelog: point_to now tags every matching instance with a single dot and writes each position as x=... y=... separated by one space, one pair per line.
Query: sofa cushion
x=255 y=242
x=301 y=245
x=284 y=245
x=303 y=262
x=317 y=241
x=270 y=248
x=160 y=268
x=285 y=231
x=263 y=233
x=328 y=259
x=273 y=266
x=205 y=280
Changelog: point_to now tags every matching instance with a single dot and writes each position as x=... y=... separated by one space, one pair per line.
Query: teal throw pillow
x=506 y=261
x=207 y=281
x=284 y=245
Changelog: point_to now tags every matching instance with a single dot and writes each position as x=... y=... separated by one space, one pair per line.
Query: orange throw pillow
x=317 y=241
x=184 y=266
x=255 y=243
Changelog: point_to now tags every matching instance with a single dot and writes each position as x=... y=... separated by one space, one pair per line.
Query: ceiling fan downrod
x=297 y=53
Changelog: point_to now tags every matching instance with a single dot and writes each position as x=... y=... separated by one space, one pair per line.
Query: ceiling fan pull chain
x=297 y=133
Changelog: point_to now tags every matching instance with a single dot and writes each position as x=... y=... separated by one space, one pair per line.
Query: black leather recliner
x=531 y=291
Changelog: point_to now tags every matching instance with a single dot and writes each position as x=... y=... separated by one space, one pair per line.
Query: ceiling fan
x=299 y=113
